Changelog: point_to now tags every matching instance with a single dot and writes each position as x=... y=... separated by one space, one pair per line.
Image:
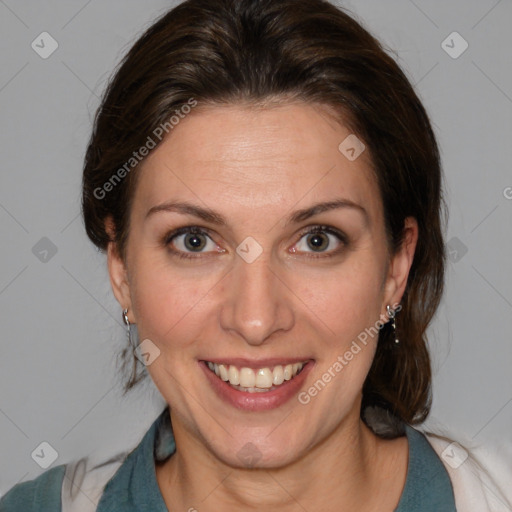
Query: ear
x=118 y=272
x=400 y=265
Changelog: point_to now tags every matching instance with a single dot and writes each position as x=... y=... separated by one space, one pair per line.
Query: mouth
x=259 y=380
x=256 y=385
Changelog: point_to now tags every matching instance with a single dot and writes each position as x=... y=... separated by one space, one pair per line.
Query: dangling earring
x=133 y=379
x=127 y=322
x=392 y=315
x=128 y=326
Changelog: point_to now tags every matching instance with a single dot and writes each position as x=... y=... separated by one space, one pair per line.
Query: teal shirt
x=134 y=487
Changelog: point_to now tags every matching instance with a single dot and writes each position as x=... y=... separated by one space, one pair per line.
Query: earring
x=125 y=317
x=127 y=323
x=392 y=315
x=133 y=378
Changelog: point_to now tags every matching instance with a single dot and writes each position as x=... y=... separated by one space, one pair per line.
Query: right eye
x=186 y=241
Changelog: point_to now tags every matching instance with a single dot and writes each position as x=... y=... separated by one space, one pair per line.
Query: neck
x=337 y=474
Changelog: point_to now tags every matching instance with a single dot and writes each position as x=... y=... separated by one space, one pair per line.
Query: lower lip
x=257 y=401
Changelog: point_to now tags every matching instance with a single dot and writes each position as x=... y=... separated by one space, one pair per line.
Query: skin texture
x=256 y=167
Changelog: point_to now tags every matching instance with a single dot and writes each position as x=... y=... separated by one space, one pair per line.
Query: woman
x=267 y=187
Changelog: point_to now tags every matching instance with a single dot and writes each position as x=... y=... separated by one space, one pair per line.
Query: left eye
x=318 y=240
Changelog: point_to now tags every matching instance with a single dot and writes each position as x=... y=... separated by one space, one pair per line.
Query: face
x=230 y=261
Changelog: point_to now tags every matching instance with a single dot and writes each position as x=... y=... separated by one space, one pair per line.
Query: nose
x=257 y=302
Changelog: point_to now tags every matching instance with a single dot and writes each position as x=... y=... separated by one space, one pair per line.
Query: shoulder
x=76 y=486
x=82 y=485
x=480 y=475
x=42 y=493
x=85 y=480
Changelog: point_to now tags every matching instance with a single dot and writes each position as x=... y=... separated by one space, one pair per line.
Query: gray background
x=60 y=324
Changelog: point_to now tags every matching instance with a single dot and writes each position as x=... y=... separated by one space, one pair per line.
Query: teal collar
x=428 y=487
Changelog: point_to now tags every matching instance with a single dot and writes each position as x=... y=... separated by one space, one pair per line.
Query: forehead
x=261 y=159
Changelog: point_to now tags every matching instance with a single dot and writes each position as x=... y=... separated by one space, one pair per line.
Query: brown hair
x=252 y=51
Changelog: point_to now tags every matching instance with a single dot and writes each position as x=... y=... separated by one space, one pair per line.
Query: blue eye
x=191 y=238
x=319 y=239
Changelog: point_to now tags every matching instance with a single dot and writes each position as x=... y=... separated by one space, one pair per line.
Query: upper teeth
x=260 y=378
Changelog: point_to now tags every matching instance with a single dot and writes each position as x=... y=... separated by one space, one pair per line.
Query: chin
x=269 y=448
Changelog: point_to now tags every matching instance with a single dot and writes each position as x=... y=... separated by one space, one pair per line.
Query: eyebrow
x=213 y=217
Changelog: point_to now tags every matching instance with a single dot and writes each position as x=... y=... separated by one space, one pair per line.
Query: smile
x=252 y=385
x=259 y=380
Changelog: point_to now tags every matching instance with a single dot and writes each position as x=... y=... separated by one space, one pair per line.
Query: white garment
x=84 y=481
x=483 y=481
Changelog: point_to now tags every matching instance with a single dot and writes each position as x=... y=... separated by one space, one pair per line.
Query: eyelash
x=169 y=237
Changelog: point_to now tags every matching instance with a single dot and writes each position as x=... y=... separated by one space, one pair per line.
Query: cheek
x=166 y=302
x=346 y=300
x=348 y=303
